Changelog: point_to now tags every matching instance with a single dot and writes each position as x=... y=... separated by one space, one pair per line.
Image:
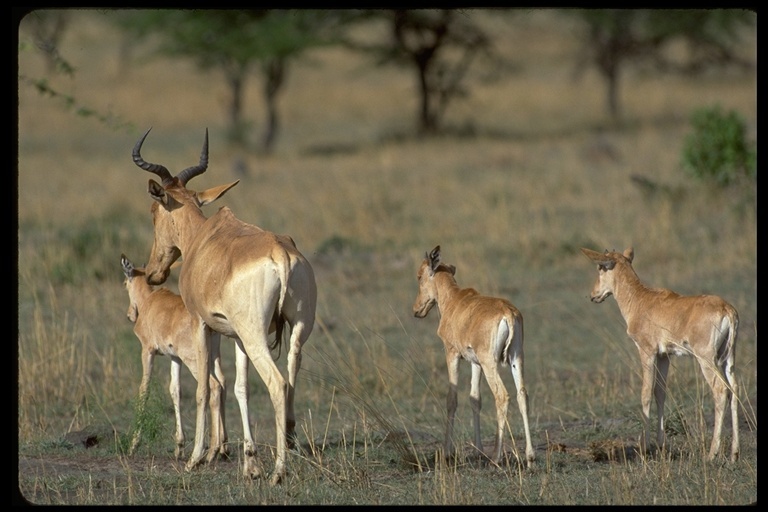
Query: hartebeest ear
x=208 y=196
x=127 y=266
x=602 y=259
x=157 y=192
x=434 y=259
x=452 y=269
x=595 y=256
x=629 y=253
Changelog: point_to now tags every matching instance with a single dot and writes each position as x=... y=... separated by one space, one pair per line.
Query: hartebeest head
x=176 y=210
x=131 y=283
x=606 y=263
x=427 y=296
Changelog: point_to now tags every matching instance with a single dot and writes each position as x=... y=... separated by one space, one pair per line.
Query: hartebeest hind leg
x=516 y=366
x=733 y=398
x=276 y=385
x=723 y=395
x=501 y=397
x=253 y=334
x=299 y=335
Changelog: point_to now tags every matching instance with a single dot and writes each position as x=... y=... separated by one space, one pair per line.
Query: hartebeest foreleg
x=250 y=465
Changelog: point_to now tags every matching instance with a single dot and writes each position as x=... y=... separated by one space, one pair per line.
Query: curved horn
x=158 y=169
x=190 y=172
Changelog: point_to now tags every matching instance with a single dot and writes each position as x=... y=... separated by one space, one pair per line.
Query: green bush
x=717 y=149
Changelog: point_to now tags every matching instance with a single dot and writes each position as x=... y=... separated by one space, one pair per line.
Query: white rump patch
x=500 y=345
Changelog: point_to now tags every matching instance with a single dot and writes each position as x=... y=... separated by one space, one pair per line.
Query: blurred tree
x=47 y=27
x=616 y=38
x=238 y=42
x=439 y=45
x=42 y=30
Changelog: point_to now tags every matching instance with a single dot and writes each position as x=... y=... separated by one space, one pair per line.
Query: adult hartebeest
x=244 y=282
x=486 y=331
x=663 y=323
x=164 y=326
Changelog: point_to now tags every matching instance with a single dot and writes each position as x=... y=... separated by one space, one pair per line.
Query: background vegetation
x=528 y=169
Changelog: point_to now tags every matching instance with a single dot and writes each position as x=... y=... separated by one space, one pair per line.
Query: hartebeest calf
x=165 y=327
x=663 y=323
x=486 y=331
x=243 y=282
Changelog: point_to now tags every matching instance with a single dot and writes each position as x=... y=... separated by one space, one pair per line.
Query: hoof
x=193 y=464
x=252 y=469
x=291 y=439
x=211 y=455
x=276 y=479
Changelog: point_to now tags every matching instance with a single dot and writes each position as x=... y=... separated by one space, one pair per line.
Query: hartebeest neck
x=189 y=221
x=139 y=290
x=628 y=290
x=447 y=288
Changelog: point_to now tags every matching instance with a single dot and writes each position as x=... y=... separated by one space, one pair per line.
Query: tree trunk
x=425 y=119
x=612 y=81
x=274 y=74
x=236 y=81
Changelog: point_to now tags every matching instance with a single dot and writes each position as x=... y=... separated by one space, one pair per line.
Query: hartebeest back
x=487 y=332
x=243 y=282
x=663 y=323
x=165 y=327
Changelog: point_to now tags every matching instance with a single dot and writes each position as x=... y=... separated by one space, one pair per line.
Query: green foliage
x=41 y=31
x=615 y=39
x=152 y=419
x=717 y=150
x=236 y=43
x=69 y=102
x=230 y=38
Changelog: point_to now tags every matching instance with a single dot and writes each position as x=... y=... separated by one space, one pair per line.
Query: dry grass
x=510 y=206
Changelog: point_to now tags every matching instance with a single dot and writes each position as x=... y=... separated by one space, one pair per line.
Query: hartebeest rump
x=165 y=327
x=244 y=282
x=663 y=323
x=486 y=331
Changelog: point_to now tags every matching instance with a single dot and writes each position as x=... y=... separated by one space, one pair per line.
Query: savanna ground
x=532 y=172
